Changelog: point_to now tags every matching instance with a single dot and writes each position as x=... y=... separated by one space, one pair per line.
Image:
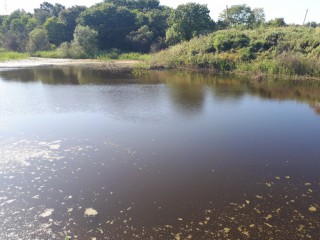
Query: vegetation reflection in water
x=184 y=86
x=182 y=181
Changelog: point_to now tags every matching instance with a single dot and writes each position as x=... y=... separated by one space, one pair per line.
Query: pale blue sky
x=291 y=11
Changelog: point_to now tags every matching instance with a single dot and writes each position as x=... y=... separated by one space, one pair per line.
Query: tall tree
x=277 y=22
x=187 y=21
x=259 y=16
x=14 y=31
x=56 y=30
x=85 y=41
x=46 y=11
x=141 y=5
x=69 y=18
x=17 y=14
x=38 y=40
x=242 y=16
x=152 y=30
x=141 y=39
x=112 y=23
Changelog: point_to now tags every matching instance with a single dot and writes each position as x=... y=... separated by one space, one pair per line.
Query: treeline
x=82 y=32
x=119 y=26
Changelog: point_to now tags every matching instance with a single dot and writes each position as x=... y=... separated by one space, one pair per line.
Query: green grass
x=48 y=54
x=114 y=54
x=293 y=51
x=105 y=56
x=6 y=55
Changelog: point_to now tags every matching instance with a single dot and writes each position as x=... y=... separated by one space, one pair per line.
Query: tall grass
x=6 y=55
x=105 y=56
x=116 y=54
x=293 y=51
x=48 y=54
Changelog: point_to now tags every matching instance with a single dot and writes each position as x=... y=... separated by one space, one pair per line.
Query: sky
x=291 y=11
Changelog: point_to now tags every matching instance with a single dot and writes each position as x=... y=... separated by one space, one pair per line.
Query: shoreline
x=112 y=65
x=126 y=66
x=258 y=76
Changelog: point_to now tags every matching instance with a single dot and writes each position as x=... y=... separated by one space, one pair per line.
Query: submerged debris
x=312 y=209
x=47 y=213
x=90 y=212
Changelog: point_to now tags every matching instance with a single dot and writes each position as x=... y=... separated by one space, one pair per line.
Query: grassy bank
x=292 y=51
x=6 y=55
x=102 y=56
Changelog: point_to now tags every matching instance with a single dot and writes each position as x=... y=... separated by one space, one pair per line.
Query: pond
x=157 y=155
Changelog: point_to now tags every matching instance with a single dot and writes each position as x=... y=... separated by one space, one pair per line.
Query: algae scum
x=93 y=155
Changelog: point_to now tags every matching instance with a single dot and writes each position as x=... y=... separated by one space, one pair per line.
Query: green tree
x=2 y=18
x=56 y=30
x=46 y=11
x=172 y=37
x=157 y=21
x=187 y=21
x=85 y=41
x=15 y=32
x=41 y=16
x=69 y=18
x=152 y=30
x=311 y=24
x=53 y=10
x=10 y=41
x=277 y=22
x=18 y=14
x=141 y=5
x=242 y=16
x=38 y=41
x=31 y=24
x=259 y=16
x=141 y=39
x=112 y=23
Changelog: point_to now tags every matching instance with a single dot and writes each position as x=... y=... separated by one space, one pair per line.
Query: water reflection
x=67 y=75
x=188 y=90
x=157 y=155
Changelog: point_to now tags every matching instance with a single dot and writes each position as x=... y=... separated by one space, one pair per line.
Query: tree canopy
x=113 y=24
x=127 y=25
x=187 y=21
x=243 y=15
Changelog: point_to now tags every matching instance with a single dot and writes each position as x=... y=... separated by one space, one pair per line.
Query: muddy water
x=94 y=155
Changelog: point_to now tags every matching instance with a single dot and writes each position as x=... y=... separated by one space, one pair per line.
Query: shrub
x=226 y=42
x=38 y=41
x=85 y=43
x=247 y=54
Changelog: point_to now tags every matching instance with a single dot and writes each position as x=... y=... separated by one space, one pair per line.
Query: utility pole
x=305 y=17
x=227 y=12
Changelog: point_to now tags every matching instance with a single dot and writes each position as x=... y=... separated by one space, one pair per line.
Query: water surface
x=162 y=155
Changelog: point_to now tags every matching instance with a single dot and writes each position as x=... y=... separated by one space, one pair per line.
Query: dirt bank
x=112 y=65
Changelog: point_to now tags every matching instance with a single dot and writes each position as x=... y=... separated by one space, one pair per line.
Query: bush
x=85 y=43
x=226 y=42
x=286 y=51
x=38 y=41
x=247 y=54
x=259 y=46
x=10 y=41
x=65 y=50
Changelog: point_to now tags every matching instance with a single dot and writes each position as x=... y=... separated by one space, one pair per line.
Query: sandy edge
x=113 y=65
